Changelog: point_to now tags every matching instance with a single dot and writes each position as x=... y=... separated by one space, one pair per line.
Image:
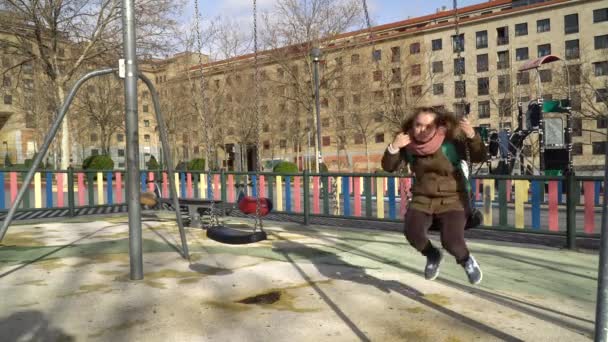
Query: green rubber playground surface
x=69 y=281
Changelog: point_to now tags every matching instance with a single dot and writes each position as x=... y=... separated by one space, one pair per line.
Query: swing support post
x=601 y=314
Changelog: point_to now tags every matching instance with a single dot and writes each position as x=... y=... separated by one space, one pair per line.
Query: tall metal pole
x=316 y=55
x=601 y=313
x=133 y=203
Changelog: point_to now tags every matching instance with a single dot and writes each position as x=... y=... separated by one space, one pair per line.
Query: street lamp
x=316 y=57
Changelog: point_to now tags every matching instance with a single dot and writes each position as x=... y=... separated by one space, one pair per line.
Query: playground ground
x=69 y=281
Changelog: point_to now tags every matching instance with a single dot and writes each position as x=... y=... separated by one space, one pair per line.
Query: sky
x=381 y=11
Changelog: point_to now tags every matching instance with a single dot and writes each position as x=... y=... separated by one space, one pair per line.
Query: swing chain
x=258 y=218
x=214 y=219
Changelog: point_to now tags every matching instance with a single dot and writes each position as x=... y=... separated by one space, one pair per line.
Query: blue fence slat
x=143 y=181
x=474 y=192
x=254 y=187
x=288 y=193
x=49 y=189
x=560 y=189
x=346 y=195
x=2 y=191
x=209 y=186
x=536 y=204
x=598 y=192
x=182 y=184
x=392 y=212
x=109 y=188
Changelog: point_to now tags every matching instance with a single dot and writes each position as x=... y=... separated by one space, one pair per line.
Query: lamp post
x=316 y=57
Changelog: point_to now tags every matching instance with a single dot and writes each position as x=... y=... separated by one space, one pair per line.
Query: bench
x=197 y=208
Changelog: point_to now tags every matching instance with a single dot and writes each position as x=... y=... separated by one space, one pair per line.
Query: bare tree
x=67 y=37
x=102 y=103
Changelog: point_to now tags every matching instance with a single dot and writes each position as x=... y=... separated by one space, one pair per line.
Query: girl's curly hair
x=443 y=118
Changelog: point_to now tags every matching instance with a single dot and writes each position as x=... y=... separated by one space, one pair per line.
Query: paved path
x=69 y=281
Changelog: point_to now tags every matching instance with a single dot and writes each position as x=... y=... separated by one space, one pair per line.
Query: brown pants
x=451 y=225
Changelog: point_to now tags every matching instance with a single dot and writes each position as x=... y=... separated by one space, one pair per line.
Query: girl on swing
x=439 y=193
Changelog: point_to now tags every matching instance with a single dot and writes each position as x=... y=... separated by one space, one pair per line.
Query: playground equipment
x=129 y=72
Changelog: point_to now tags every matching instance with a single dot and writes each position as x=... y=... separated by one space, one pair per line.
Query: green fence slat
x=502 y=202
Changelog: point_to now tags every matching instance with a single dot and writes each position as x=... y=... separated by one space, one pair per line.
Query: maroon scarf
x=429 y=147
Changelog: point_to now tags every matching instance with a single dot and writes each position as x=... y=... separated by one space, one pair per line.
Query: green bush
x=197 y=164
x=285 y=167
x=322 y=168
x=153 y=164
x=100 y=162
x=7 y=160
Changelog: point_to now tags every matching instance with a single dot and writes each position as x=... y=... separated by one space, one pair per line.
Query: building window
x=146 y=123
x=94 y=152
x=572 y=49
x=483 y=86
x=600 y=68
x=503 y=60
x=544 y=50
x=460 y=89
x=121 y=152
x=601 y=95
x=601 y=42
x=145 y=108
x=414 y=48
x=602 y=123
x=325 y=122
x=577 y=149
x=545 y=75
x=377 y=55
x=575 y=101
x=147 y=137
x=379 y=138
x=357 y=100
x=577 y=127
x=543 y=25
x=378 y=95
x=521 y=54
x=378 y=75
x=266 y=128
x=416 y=90
x=600 y=15
x=483 y=108
x=574 y=70
x=416 y=70
x=521 y=29
x=481 y=39
x=502 y=35
x=547 y=97
x=438 y=89
x=93 y=137
x=571 y=23
x=6 y=81
x=437 y=44
x=378 y=117
x=8 y=99
x=459 y=66
x=395 y=54
x=120 y=137
x=459 y=109
x=458 y=42
x=504 y=83
x=354 y=59
x=482 y=63
x=359 y=139
x=523 y=77
x=504 y=107
x=599 y=148
x=437 y=67
x=341 y=103
x=326 y=141
x=282 y=143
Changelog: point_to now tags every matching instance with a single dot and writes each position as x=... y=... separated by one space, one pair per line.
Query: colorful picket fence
x=533 y=203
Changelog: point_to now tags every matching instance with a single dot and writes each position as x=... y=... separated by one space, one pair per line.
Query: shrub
x=153 y=164
x=285 y=167
x=197 y=164
x=100 y=162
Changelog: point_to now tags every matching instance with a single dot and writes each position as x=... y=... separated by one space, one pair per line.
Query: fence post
x=71 y=203
x=224 y=186
x=571 y=210
x=306 y=198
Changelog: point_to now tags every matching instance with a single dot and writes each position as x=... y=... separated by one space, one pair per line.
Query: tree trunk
x=367 y=155
x=65 y=130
